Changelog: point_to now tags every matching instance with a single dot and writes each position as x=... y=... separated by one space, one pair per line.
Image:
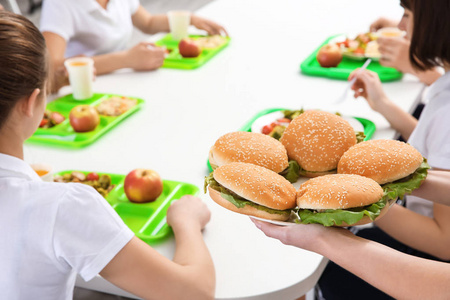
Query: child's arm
x=152 y=24
x=141 y=270
x=436 y=187
x=400 y=275
x=429 y=235
x=143 y=56
x=368 y=85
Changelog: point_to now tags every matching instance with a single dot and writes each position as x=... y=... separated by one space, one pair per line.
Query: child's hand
x=210 y=27
x=395 y=53
x=368 y=85
x=381 y=23
x=145 y=57
x=188 y=211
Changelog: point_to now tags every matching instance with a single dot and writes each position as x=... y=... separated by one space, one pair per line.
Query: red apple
x=189 y=48
x=329 y=55
x=84 y=118
x=143 y=185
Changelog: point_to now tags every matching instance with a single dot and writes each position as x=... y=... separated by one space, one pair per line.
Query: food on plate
x=252 y=190
x=364 y=45
x=316 y=140
x=340 y=200
x=84 y=118
x=329 y=56
x=143 y=185
x=397 y=166
x=188 y=48
x=249 y=147
x=115 y=106
x=101 y=183
x=392 y=32
x=209 y=42
x=51 y=119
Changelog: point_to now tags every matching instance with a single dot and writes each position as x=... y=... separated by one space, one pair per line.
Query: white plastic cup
x=44 y=171
x=179 y=21
x=81 y=76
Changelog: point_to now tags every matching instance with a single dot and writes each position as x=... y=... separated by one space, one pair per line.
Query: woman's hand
x=210 y=27
x=188 y=211
x=308 y=237
x=368 y=86
x=395 y=53
x=382 y=23
x=145 y=57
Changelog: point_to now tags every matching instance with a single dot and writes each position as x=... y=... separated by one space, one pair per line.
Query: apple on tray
x=188 y=48
x=329 y=56
x=84 y=118
x=143 y=185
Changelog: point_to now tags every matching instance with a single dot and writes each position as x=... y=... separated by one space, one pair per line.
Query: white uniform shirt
x=49 y=232
x=432 y=136
x=87 y=28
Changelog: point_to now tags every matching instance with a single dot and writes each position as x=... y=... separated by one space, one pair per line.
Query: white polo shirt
x=87 y=27
x=49 y=232
x=432 y=136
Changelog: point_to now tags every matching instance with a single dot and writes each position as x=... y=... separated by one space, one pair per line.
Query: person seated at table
x=102 y=29
x=397 y=274
x=395 y=52
x=52 y=231
x=422 y=228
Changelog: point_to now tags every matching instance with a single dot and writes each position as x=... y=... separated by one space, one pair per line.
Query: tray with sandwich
x=73 y=123
x=317 y=172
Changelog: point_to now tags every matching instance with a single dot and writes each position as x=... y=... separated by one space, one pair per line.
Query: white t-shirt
x=88 y=28
x=49 y=232
x=432 y=136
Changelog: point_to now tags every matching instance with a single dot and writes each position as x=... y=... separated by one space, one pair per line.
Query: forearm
x=192 y=253
x=416 y=231
x=400 y=120
x=397 y=274
x=110 y=62
x=156 y=23
x=436 y=187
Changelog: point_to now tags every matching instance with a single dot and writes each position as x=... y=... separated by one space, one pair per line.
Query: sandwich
x=340 y=200
x=254 y=148
x=398 y=167
x=252 y=190
x=316 y=140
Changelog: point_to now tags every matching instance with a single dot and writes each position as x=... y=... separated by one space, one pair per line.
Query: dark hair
x=430 y=41
x=23 y=61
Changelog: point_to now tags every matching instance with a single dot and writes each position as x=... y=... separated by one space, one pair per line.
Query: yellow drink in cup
x=81 y=76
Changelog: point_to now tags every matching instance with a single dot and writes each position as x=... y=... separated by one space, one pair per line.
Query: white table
x=186 y=111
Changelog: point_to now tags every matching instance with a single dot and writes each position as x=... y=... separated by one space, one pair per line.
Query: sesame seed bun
x=381 y=160
x=317 y=140
x=340 y=191
x=256 y=184
x=249 y=147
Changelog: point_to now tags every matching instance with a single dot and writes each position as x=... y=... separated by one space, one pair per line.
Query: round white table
x=186 y=111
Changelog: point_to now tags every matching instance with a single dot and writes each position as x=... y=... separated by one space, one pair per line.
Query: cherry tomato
x=43 y=122
x=92 y=176
x=359 y=51
x=267 y=129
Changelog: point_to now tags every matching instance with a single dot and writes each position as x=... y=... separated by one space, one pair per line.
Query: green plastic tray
x=176 y=61
x=146 y=220
x=310 y=66
x=64 y=135
x=369 y=126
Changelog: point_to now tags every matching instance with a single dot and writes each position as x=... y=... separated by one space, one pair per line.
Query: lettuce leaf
x=360 y=136
x=292 y=172
x=237 y=200
x=399 y=188
x=332 y=217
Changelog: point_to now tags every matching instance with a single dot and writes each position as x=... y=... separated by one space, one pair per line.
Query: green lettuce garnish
x=360 y=136
x=399 y=188
x=332 y=217
x=292 y=172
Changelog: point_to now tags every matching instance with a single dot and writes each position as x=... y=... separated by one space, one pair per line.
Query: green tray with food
x=273 y=121
x=340 y=55
x=146 y=219
x=74 y=124
x=192 y=52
